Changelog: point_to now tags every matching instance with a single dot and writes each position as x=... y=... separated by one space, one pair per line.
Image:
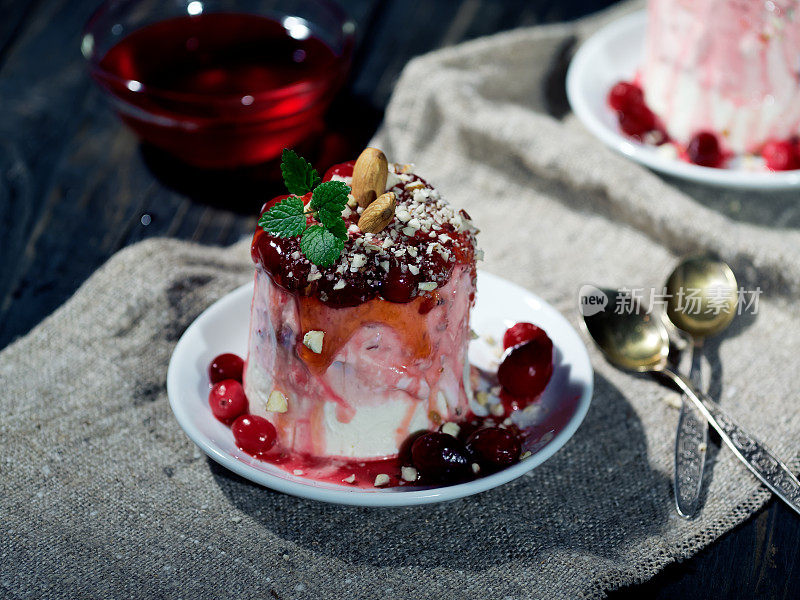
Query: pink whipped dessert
x=730 y=68
x=347 y=360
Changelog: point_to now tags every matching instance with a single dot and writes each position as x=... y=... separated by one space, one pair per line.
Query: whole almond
x=369 y=176
x=378 y=214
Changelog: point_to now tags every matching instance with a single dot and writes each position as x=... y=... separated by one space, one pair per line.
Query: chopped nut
x=351 y=201
x=408 y=473
x=428 y=286
x=451 y=428
x=359 y=260
x=277 y=402
x=381 y=479
x=313 y=341
x=350 y=479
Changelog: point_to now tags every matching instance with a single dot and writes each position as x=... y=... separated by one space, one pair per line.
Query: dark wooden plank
x=14 y=18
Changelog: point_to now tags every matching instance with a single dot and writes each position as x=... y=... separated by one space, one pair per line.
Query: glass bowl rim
x=104 y=76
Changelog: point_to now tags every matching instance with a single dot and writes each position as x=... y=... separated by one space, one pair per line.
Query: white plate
x=614 y=54
x=223 y=327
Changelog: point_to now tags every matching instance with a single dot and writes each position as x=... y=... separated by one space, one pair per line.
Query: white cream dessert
x=728 y=67
x=348 y=360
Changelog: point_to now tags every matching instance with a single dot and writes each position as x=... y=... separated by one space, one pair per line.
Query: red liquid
x=222 y=90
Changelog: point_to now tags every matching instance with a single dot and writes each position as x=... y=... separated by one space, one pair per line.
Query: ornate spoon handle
x=758 y=458
x=691 y=440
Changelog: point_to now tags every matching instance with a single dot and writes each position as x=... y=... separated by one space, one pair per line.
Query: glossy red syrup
x=222 y=90
x=483 y=445
x=276 y=254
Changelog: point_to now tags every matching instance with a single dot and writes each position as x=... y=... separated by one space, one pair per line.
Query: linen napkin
x=103 y=495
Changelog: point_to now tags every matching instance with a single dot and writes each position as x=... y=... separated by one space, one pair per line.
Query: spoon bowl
x=629 y=338
x=701 y=296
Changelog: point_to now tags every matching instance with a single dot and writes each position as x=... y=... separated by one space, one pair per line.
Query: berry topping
x=781 y=155
x=399 y=286
x=637 y=120
x=439 y=456
x=254 y=434
x=526 y=369
x=227 y=400
x=624 y=95
x=521 y=333
x=493 y=448
x=704 y=150
x=421 y=243
x=226 y=366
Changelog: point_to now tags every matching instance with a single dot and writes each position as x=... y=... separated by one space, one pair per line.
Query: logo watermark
x=689 y=301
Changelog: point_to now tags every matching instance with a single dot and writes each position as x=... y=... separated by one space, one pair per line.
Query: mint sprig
x=298 y=174
x=322 y=244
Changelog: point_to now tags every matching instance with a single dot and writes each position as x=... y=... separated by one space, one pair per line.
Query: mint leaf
x=298 y=175
x=337 y=228
x=329 y=199
x=285 y=219
x=321 y=246
x=330 y=196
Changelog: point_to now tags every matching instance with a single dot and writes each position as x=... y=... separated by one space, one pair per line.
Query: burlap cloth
x=103 y=495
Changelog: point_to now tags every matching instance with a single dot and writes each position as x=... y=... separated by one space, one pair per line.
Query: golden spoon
x=702 y=297
x=633 y=340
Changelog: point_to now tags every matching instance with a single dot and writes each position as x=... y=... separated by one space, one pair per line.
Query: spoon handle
x=690 y=446
x=755 y=455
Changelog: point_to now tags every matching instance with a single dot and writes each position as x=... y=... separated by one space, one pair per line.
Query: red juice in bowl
x=222 y=89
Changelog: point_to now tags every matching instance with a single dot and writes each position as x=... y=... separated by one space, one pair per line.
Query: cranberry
x=521 y=333
x=227 y=400
x=637 y=120
x=438 y=456
x=704 y=150
x=624 y=95
x=526 y=369
x=494 y=448
x=399 y=286
x=226 y=366
x=781 y=155
x=404 y=452
x=254 y=434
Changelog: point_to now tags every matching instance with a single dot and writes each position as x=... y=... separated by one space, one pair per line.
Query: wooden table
x=75 y=187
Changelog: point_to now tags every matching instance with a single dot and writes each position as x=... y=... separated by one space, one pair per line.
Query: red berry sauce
x=482 y=444
x=396 y=263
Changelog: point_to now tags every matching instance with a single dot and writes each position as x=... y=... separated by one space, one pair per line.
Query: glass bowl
x=220 y=83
